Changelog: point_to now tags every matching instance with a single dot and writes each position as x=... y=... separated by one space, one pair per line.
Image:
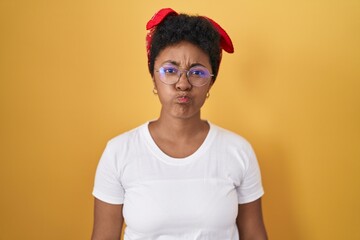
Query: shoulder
x=127 y=138
x=121 y=148
x=232 y=148
x=229 y=138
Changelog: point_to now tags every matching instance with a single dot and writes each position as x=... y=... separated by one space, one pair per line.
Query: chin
x=187 y=114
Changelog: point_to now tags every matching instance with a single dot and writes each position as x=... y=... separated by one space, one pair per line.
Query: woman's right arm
x=108 y=221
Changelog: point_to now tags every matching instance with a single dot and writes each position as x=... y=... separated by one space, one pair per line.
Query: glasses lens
x=169 y=74
x=199 y=76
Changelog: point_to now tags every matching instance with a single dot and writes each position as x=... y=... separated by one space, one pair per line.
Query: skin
x=108 y=221
x=179 y=131
x=250 y=221
x=179 y=119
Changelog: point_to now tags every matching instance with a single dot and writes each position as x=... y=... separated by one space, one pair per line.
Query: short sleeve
x=107 y=185
x=250 y=188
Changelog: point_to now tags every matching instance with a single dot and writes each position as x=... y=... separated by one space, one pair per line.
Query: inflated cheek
x=203 y=99
x=165 y=93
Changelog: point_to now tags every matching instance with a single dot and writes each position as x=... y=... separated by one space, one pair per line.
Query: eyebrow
x=178 y=64
x=171 y=62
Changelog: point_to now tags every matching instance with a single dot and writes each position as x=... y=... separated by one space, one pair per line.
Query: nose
x=183 y=84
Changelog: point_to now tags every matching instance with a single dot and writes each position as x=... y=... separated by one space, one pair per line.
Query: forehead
x=183 y=54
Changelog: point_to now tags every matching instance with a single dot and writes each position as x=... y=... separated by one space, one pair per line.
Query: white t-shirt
x=167 y=198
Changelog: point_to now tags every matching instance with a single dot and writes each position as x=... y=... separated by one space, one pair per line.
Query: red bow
x=225 y=41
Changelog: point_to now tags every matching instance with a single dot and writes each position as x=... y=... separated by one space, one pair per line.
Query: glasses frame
x=181 y=72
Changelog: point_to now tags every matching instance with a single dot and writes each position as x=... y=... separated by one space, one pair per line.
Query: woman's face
x=181 y=100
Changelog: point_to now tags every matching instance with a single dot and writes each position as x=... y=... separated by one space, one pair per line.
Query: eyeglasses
x=197 y=76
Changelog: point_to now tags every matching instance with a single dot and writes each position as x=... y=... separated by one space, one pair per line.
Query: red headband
x=225 y=41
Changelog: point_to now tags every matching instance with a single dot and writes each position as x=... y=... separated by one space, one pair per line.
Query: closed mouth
x=183 y=99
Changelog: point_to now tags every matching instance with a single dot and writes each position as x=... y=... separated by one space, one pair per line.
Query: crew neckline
x=160 y=155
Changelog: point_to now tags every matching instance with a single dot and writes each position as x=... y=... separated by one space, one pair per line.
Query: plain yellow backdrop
x=73 y=74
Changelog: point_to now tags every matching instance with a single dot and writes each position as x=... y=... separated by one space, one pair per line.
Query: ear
x=211 y=84
x=154 y=82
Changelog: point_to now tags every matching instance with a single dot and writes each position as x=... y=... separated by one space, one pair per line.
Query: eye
x=199 y=72
x=169 y=70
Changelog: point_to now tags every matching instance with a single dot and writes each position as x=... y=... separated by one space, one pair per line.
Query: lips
x=183 y=99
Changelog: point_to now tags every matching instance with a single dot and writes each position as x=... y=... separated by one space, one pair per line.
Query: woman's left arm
x=250 y=221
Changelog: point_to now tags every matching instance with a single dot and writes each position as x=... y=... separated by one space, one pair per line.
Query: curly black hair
x=194 y=29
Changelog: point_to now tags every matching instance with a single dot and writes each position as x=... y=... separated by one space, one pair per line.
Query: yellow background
x=73 y=74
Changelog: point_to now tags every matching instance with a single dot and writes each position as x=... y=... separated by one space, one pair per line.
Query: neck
x=179 y=128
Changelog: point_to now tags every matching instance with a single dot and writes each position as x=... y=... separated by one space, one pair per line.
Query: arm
x=250 y=221
x=108 y=221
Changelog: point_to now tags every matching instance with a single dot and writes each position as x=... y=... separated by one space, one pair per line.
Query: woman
x=180 y=177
